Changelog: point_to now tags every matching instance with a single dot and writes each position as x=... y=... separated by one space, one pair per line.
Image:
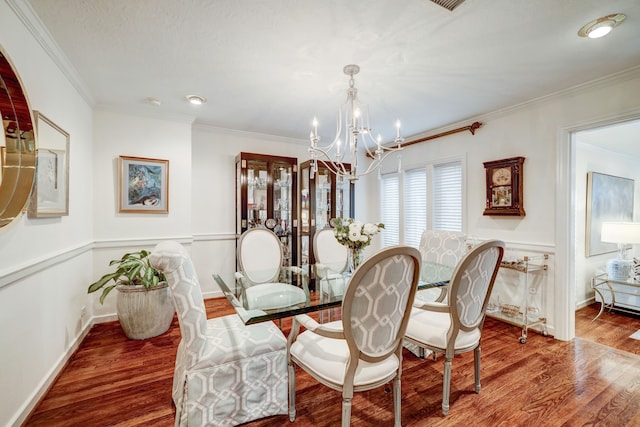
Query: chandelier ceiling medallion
x=352 y=128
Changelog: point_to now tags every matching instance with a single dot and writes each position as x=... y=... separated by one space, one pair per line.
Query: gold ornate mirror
x=17 y=146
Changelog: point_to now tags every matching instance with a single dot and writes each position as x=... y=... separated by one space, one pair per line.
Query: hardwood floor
x=114 y=381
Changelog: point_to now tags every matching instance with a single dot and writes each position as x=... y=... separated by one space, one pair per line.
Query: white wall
x=213 y=213
x=537 y=130
x=593 y=159
x=45 y=263
x=116 y=134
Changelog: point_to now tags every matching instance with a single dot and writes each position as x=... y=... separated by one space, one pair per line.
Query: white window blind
x=447 y=196
x=390 y=199
x=415 y=206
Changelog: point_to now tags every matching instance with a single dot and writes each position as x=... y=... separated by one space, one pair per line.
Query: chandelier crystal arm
x=356 y=129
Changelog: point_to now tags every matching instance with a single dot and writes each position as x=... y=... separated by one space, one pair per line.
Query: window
x=390 y=199
x=428 y=197
x=415 y=206
x=447 y=196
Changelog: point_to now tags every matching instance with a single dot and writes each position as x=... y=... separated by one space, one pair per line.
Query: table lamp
x=621 y=233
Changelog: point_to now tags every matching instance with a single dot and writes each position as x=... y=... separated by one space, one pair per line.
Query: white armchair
x=364 y=349
x=226 y=373
x=439 y=247
x=331 y=262
x=261 y=273
x=455 y=326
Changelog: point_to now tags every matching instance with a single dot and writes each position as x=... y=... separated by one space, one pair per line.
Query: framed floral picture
x=144 y=185
x=50 y=194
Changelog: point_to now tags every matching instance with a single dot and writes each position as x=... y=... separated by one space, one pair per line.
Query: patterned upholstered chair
x=364 y=349
x=331 y=262
x=440 y=247
x=260 y=276
x=455 y=326
x=226 y=373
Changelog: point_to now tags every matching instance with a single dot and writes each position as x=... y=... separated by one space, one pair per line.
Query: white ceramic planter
x=144 y=313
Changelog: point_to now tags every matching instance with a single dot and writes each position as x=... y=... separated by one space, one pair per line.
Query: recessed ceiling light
x=601 y=26
x=196 y=99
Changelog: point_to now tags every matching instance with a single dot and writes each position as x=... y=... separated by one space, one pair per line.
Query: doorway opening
x=613 y=150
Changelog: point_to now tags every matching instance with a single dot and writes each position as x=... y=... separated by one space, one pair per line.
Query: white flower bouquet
x=353 y=234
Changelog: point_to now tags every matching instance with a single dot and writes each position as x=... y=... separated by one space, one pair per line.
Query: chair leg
x=346 y=411
x=397 y=409
x=446 y=385
x=292 y=392
x=476 y=364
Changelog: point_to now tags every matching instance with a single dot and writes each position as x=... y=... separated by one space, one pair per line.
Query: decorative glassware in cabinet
x=344 y=203
x=323 y=197
x=265 y=198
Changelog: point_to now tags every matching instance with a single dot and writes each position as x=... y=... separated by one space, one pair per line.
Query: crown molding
x=34 y=25
x=206 y=127
x=628 y=74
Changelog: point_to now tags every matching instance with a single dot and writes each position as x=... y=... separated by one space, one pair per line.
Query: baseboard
x=584 y=303
x=212 y=294
x=43 y=388
x=104 y=318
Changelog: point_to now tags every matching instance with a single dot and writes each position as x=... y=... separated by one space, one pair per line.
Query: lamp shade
x=620 y=232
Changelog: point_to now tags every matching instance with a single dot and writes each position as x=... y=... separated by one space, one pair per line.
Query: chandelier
x=352 y=128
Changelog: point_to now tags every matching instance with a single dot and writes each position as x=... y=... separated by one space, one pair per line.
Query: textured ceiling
x=270 y=66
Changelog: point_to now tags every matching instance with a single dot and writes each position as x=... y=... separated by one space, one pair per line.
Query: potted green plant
x=144 y=305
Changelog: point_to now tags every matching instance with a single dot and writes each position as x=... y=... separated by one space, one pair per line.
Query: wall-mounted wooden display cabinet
x=323 y=197
x=266 y=196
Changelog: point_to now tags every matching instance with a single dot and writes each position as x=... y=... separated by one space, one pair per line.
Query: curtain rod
x=471 y=128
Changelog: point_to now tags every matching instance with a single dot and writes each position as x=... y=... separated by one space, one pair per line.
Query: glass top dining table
x=431 y=276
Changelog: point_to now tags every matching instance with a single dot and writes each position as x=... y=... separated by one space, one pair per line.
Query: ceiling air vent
x=448 y=4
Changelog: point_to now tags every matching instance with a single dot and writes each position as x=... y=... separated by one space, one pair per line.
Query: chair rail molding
x=19 y=272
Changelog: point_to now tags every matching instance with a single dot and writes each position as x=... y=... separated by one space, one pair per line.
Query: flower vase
x=355 y=257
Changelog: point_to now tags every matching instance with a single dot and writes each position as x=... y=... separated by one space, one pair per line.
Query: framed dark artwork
x=504 y=187
x=50 y=194
x=609 y=198
x=144 y=185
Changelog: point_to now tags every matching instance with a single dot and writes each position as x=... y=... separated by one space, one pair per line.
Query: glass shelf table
x=432 y=275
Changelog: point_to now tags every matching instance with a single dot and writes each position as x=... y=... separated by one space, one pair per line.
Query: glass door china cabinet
x=323 y=197
x=265 y=188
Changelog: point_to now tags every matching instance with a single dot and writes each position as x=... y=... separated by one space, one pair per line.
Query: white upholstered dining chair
x=261 y=273
x=364 y=349
x=226 y=373
x=438 y=247
x=331 y=262
x=455 y=326
x=441 y=247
